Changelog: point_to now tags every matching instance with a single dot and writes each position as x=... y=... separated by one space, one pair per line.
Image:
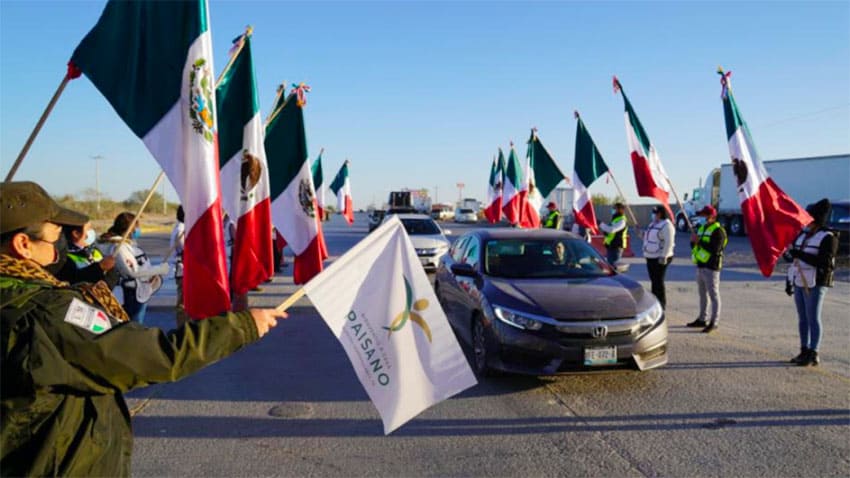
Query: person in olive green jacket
x=70 y=353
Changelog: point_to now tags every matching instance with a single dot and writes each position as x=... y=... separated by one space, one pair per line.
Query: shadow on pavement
x=238 y=427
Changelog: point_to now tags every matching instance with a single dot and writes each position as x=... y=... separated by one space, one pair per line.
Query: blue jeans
x=133 y=307
x=809 y=307
x=613 y=254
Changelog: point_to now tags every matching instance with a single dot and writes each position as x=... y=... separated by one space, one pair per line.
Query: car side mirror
x=463 y=269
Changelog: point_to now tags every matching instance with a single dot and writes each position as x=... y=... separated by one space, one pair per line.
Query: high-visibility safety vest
x=552 y=220
x=83 y=261
x=699 y=254
x=618 y=239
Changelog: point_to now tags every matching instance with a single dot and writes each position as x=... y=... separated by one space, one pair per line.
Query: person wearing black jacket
x=79 y=260
x=811 y=273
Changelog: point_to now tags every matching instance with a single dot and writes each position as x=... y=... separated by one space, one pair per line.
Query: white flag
x=379 y=303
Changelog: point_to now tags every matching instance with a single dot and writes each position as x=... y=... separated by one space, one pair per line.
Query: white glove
x=162 y=269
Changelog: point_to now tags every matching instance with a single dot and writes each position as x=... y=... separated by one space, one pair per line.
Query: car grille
x=600 y=329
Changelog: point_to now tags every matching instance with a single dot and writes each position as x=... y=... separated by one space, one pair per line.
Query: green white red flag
x=589 y=166
x=378 y=302
x=542 y=176
x=514 y=185
x=318 y=183
x=341 y=186
x=771 y=217
x=244 y=170
x=294 y=207
x=650 y=177
x=153 y=63
x=493 y=210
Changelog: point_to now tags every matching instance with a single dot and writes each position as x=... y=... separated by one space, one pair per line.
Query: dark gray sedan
x=543 y=301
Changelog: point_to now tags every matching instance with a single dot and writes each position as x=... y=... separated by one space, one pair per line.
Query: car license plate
x=425 y=260
x=600 y=355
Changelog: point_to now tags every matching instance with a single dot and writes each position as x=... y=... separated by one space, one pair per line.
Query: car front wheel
x=479 y=348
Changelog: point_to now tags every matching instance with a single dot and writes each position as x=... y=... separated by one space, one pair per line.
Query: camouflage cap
x=25 y=203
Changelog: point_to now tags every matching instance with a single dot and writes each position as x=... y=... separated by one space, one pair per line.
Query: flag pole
x=72 y=73
x=141 y=209
x=248 y=31
x=274 y=113
x=620 y=191
x=292 y=299
x=681 y=207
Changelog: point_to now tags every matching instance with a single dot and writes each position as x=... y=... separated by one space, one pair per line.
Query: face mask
x=60 y=255
x=137 y=233
x=90 y=237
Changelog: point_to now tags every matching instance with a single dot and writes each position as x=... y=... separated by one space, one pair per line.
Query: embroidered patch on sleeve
x=87 y=317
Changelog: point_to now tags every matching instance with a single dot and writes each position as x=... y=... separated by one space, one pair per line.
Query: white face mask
x=90 y=237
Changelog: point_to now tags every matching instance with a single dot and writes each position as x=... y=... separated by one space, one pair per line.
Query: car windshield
x=420 y=227
x=466 y=211
x=538 y=258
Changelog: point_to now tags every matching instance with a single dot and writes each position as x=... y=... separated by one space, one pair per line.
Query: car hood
x=614 y=297
x=428 y=241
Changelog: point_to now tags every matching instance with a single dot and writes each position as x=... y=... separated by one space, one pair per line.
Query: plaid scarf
x=97 y=294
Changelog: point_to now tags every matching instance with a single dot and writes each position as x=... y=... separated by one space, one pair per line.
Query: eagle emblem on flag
x=201 y=97
x=307 y=198
x=249 y=177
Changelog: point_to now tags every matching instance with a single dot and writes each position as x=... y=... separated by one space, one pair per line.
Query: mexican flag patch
x=87 y=317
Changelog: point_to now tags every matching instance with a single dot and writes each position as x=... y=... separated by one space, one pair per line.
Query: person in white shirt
x=139 y=279
x=178 y=236
x=659 y=239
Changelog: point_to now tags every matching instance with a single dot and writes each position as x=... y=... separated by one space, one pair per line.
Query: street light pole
x=97 y=159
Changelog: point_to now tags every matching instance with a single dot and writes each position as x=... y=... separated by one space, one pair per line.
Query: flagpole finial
x=617 y=85
x=321 y=150
x=300 y=91
x=724 y=81
x=512 y=144
x=575 y=114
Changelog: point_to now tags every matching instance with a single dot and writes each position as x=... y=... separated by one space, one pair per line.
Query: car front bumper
x=521 y=351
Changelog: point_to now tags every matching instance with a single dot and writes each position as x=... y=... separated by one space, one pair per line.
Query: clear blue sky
x=420 y=94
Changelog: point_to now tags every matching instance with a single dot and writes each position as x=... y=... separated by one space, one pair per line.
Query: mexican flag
x=513 y=187
x=589 y=166
x=244 y=171
x=771 y=217
x=318 y=183
x=542 y=175
x=493 y=211
x=294 y=207
x=650 y=176
x=378 y=302
x=153 y=63
x=341 y=186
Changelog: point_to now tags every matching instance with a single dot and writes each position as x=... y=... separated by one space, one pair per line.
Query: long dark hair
x=119 y=226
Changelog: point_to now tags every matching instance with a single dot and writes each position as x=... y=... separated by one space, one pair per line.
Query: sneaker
x=709 y=328
x=697 y=323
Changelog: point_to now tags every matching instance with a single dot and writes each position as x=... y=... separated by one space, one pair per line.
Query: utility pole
x=460 y=193
x=436 y=195
x=97 y=159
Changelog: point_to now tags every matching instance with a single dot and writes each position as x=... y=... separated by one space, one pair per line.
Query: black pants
x=657 y=268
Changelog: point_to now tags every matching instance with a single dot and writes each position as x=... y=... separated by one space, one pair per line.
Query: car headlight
x=515 y=319
x=651 y=315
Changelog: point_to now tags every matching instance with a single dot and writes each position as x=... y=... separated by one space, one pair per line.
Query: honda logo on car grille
x=599 y=332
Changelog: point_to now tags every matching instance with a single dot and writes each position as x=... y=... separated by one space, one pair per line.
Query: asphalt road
x=728 y=404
